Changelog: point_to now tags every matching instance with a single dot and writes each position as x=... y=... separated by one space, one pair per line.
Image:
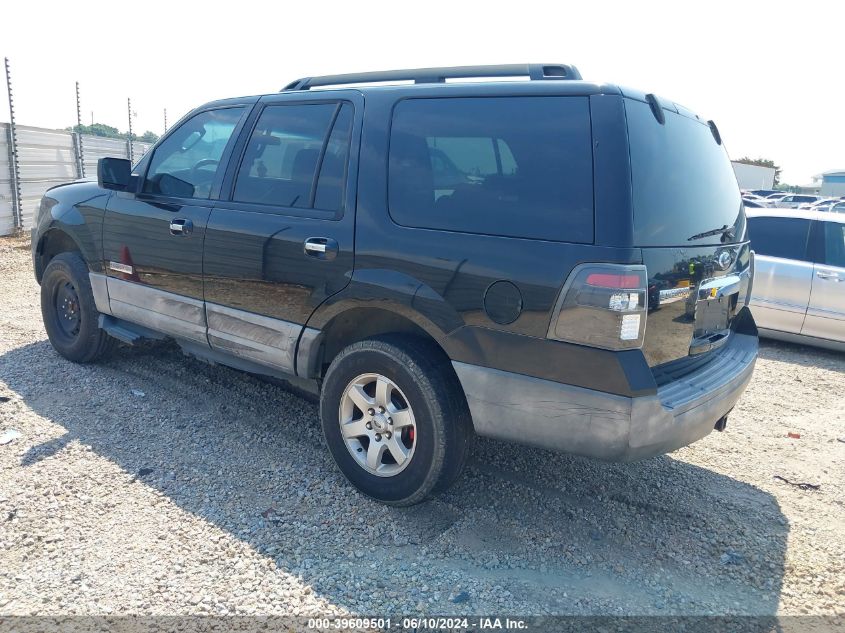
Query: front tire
x=395 y=419
x=68 y=310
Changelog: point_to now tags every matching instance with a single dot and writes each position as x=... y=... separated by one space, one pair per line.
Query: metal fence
x=46 y=158
x=7 y=208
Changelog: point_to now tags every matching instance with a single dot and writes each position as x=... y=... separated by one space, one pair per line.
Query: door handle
x=321 y=248
x=830 y=276
x=181 y=227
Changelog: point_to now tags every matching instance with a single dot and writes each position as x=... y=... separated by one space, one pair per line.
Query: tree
x=97 y=129
x=761 y=162
x=107 y=131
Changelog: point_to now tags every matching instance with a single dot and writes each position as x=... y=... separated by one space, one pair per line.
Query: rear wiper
x=724 y=231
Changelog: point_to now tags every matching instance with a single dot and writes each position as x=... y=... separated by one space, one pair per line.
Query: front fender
x=77 y=211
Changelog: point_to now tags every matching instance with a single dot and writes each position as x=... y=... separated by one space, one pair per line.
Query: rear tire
x=408 y=395
x=69 y=313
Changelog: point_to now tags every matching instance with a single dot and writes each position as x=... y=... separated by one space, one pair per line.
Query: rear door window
x=296 y=157
x=683 y=183
x=514 y=166
x=834 y=244
x=779 y=237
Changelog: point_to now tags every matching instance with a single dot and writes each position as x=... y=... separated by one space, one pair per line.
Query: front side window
x=188 y=160
x=292 y=159
x=834 y=244
x=510 y=166
x=779 y=237
x=838 y=208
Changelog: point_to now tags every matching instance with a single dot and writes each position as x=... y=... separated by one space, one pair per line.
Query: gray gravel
x=156 y=484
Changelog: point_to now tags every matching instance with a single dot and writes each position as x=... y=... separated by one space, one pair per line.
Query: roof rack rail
x=440 y=75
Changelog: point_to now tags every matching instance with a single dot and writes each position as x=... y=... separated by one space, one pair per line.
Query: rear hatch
x=689 y=222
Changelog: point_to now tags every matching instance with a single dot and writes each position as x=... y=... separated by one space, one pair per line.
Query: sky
x=769 y=73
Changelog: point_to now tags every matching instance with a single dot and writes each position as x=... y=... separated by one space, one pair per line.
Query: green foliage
x=761 y=162
x=98 y=129
x=107 y=131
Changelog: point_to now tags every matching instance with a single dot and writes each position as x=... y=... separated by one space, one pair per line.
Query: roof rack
x=439 y=75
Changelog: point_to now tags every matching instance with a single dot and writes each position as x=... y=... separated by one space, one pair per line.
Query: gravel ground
x=155 y=484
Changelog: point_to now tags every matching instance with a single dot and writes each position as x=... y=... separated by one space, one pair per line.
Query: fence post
x=77 y=150
x=80 y=159
x=14 y=167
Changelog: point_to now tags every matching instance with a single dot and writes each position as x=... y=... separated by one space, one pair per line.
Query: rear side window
x=779 y=237
x=289 y=147
x=834 y=244
x=683 y=184
x=514 y=166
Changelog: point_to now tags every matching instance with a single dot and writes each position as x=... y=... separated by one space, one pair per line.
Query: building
x=832 y=183
x=754 y=176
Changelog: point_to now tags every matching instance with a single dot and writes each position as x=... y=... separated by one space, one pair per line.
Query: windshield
x=684 y=187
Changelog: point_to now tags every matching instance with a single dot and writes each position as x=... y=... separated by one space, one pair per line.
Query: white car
x=824 y=204
x=793 y=201
x=772 y=198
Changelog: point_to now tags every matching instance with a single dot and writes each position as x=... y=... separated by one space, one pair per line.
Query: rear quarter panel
x=440 y=278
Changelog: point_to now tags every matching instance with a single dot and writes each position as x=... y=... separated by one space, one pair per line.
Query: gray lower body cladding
x=550 y=415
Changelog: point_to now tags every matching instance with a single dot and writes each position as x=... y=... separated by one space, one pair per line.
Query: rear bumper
x=550 y=415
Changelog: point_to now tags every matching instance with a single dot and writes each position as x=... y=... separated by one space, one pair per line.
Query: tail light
x=603 y=305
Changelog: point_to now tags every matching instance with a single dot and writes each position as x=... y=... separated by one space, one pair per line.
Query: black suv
x=552 y=262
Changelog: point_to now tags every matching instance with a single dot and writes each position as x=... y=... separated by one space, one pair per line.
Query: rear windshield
x=683 y=184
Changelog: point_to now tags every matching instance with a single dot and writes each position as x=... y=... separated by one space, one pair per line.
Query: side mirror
x=114 y=173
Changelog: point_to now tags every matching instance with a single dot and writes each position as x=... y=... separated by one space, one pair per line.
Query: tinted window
x=283 y=154
x=838 y=208
x=682 y=180
x=834 y=244
x=779 y=237
x=517 y=166
x=187 y=161
x=331 y=185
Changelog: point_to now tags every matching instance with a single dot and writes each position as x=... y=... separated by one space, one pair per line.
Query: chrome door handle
x=321 y=248
x=822 y=274
x=181 y=227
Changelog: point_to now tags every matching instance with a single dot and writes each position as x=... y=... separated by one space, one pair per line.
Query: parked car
x=823 y=204
x=455 y=259
x=764 y=192
x=793 y=201
x=799 y=294
x=771 y=199
x=838 y=207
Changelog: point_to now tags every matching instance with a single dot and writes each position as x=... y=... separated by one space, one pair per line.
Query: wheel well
x=362 y=323
x=51 y=244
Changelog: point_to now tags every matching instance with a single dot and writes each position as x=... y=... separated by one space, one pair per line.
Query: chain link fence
x=46 y=158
